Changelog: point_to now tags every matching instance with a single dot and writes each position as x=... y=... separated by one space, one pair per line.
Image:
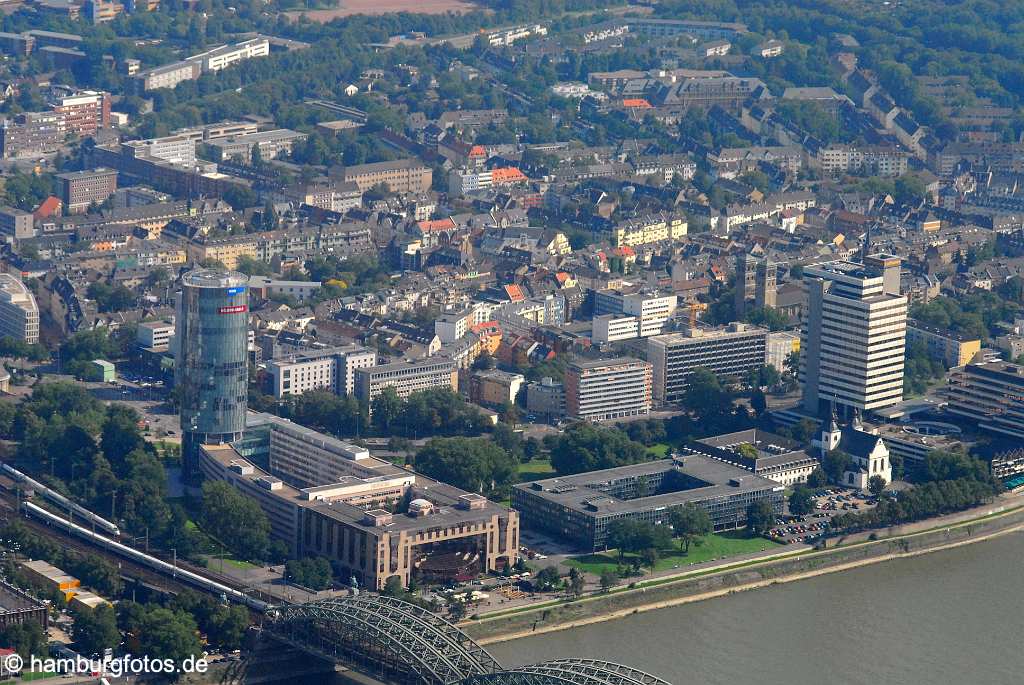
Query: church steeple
x=830 y=432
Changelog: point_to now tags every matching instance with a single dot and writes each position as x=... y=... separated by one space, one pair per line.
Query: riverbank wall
x=666 y=592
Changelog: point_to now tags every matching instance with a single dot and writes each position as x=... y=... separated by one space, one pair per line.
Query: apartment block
x=85 y=111
x=400 y=176
x=406 y=378
x=79 y=189
x=728 y=352
x=951 y=348
x=31 y=133
x=494 y=388
x=608 y=389
x=16 y=224
x=647 y=230
x=879 y=161
x=269 y=143
x=854 y=333
x=332 y=369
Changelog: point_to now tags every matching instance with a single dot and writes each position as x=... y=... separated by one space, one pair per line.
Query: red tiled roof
x=47 y=208
x=639 y=103
x=515 y=293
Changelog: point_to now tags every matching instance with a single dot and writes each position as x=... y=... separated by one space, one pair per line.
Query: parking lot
x=809 y=528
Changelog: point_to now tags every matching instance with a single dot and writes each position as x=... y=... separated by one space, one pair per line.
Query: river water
x=954 y=617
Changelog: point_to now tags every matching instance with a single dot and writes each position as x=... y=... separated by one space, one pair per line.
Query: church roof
x=857 y=443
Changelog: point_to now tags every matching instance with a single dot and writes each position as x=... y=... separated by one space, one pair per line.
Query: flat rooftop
x=578 y=492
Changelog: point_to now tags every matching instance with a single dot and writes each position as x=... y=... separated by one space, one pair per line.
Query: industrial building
x=580 y=508
x=211 y=359
x=376 y=520
x=728 y=352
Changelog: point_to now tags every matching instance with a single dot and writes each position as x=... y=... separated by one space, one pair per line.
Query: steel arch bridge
x=401 y=642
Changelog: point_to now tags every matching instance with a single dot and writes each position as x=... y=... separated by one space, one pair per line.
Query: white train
x=146 y=560
x=61 y=501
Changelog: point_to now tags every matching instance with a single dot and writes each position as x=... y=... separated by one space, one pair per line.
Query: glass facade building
x=211 y=360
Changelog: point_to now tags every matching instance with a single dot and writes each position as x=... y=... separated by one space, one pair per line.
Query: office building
x=990 y=394
x=400 y=176
x=226 y=55
x=780 y=345
x=31 y=133
x=764 y=454
x=650 y=311
x=580 y=508
x=177 y=149
x=608 y=389
x=16 y=224
x=949 y=347
x=211 y=365
x=166 y=76
x=329 y=498
x=854 y=332
x=728 y=352
x=546 y=399
x=19 y=315
x=269 y=143
x=332 y=369
x=406 y=378
x=755 y=280
x=80 y=189
x=154 y=335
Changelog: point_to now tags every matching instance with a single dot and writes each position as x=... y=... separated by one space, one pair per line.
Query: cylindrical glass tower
x=211 y=361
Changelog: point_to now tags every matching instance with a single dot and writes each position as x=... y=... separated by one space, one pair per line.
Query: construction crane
x=694 y=308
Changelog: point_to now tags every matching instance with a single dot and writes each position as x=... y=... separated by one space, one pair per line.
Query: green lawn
x=535 y=469
x=660 y=450
x=715 y=546
x=238 y=563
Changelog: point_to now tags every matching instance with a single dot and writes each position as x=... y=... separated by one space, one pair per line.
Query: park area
x=714 y=547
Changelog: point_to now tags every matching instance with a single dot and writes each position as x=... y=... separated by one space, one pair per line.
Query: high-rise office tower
x=853 y=337
x=211 y=360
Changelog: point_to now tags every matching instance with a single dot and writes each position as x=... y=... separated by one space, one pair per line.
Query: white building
x=406 y=378
x=19 y=314
x=332 y=369
x=155 y=334
x=854 y=333
x=608 y=389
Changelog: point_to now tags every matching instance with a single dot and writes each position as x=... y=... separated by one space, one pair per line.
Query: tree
x=547 y=578
x=26 y=639
x=800 y=500
x=166 y=634
x=649 y=556
x=690 y=523
x=387 y=407
x=584 y=447
x=393 y=587
x=608 y=580
x=235 y=520
x=314 y=573
x=760 y=517
x=576 y=582
x=817 y=479
x=876 y=484
x=758 y=402
x=473 y=464
x=96 y=629
x=835 y=463
x=121 y=435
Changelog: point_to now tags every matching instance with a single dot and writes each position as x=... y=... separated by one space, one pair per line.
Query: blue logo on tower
x=237 y=290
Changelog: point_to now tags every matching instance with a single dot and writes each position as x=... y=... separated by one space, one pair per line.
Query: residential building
x=495 y=388
x=19 y=314
x=952 y=348
x=670 y=28
x=332 y=369
x=581 y=508
x=16 y=224
x=608 y=389
x=85 y=111
x=400 y=176
x=211 y=360
x=269 y=288
x=854 y=332
x=878 y=161
x=406 y=378
x=647 y=230
x=102 y=11
x=31 y=133
x=16 y=44
x=329 y=194
x=328 y=498
x=729 y=352
x=166 y=76
x=80 y=189
x=546 y=399
x=226 y=55
x=990 y=394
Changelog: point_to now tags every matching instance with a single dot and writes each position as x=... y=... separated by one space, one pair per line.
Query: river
x=948 y=618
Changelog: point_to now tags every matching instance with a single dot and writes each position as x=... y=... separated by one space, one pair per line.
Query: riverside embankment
x=696 y=586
